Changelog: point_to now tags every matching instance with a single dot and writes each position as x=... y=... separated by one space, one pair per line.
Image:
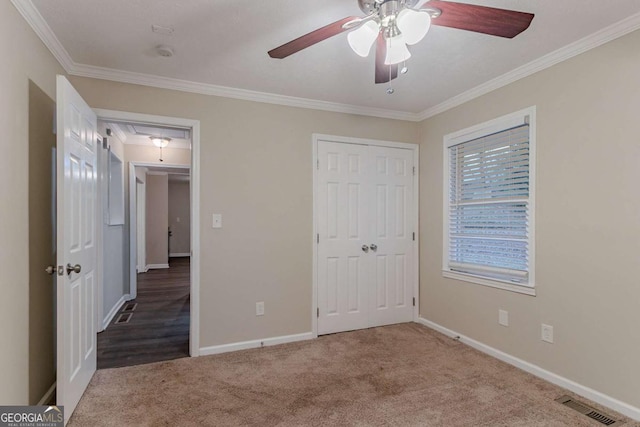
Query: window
x=489 y=194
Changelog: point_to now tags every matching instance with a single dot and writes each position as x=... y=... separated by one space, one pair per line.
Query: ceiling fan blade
x=384 y=73
x=310 y=39
x=480 y=19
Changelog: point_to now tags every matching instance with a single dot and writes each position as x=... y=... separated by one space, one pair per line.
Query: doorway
x=366 y=221
x=147 y=299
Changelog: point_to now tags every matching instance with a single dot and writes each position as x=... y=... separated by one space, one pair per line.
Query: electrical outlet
x=503 y=317
x=547 y=333
x=217 y=220
x=260 y=308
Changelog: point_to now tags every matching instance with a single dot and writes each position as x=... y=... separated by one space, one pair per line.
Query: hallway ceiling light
x=160 y=142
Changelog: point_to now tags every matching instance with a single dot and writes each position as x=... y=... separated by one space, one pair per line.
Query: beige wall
x=256 y=171
x=24 y=58
x=587 y=223
x=179 y=216
x=157 y=208
x=42 y=141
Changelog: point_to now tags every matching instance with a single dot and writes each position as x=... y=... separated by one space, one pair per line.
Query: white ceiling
x=225 y=43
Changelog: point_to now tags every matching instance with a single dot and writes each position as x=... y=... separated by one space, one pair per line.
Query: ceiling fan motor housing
x=370 y=6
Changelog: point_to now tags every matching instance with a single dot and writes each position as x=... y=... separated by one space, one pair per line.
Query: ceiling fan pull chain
x=390 y=88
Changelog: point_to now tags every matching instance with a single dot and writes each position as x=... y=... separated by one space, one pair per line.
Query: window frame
x=468 y=134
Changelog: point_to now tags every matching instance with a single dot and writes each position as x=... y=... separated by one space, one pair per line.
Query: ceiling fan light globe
x=414 y=25
x=397 y=51
x=363 y=38
x=160 y=142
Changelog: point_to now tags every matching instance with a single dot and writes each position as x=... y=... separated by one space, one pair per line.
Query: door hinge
x=414 y=301
x=318 y=164
x=414 y=236
x=318 y=312
x=414 y=170
x=318 y=238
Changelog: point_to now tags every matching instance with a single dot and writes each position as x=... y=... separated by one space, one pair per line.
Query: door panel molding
x=392 y=261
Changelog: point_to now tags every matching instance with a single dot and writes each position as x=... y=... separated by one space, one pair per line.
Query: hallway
x=158 y=328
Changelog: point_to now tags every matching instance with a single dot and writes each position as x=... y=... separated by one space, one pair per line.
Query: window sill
x=520 y=289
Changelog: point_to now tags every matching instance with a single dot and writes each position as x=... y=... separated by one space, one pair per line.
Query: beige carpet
x=401 y=375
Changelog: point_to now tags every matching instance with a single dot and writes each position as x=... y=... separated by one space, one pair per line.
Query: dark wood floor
x=159 y=326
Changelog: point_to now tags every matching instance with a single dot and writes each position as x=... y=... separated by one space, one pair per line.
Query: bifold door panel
x=365 y=246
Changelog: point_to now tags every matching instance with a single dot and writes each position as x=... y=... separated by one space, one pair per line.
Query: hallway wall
x=157 y=205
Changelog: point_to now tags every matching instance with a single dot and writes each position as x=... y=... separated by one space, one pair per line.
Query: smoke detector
x=165 y=51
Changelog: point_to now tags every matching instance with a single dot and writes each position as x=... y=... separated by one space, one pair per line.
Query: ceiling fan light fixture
x=363 y=38
x=397 y=51
x=414 y=25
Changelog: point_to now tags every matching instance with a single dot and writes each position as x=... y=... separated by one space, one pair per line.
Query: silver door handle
x=365 y=248
x=75 y=268
x=374 y=247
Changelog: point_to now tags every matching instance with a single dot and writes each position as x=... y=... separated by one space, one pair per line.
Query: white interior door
x=391 y=231
x=76 y=245
x=365 y=256
x=343 y=177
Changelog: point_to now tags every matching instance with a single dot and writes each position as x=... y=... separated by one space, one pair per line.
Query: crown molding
x=118 y=131
x=103 y=73
x=31 y=14
x=592 y=41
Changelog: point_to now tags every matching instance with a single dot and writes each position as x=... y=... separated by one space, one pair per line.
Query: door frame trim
x=194 y=125
x=317 y=137
x=133 y=233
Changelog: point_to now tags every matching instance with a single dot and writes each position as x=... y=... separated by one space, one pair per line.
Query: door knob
x=374 y=247
x=75 y=268
x=365 y=248
x=50 y=270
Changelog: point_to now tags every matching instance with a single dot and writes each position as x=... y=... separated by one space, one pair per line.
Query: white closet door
x=342 y=198
x=391 y=236
x=364 y=199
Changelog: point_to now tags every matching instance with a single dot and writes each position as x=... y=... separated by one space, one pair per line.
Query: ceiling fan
x=393 y=24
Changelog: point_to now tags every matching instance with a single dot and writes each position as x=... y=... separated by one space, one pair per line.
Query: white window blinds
x=488 y=229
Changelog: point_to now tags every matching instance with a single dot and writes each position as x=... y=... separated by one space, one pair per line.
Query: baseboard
x=47 y=396
x=114 y=310
x=179 y=254
x=146 y=268
x=589 y=393
x=156 y=266
x=245 y=345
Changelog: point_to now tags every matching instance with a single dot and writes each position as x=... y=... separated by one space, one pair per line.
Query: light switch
x=503 y=317
x=217 y=220
x=178 y=219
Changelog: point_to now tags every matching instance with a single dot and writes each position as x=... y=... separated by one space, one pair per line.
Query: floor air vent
x=123 y=318
x=130 y=306
x=588 y=411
